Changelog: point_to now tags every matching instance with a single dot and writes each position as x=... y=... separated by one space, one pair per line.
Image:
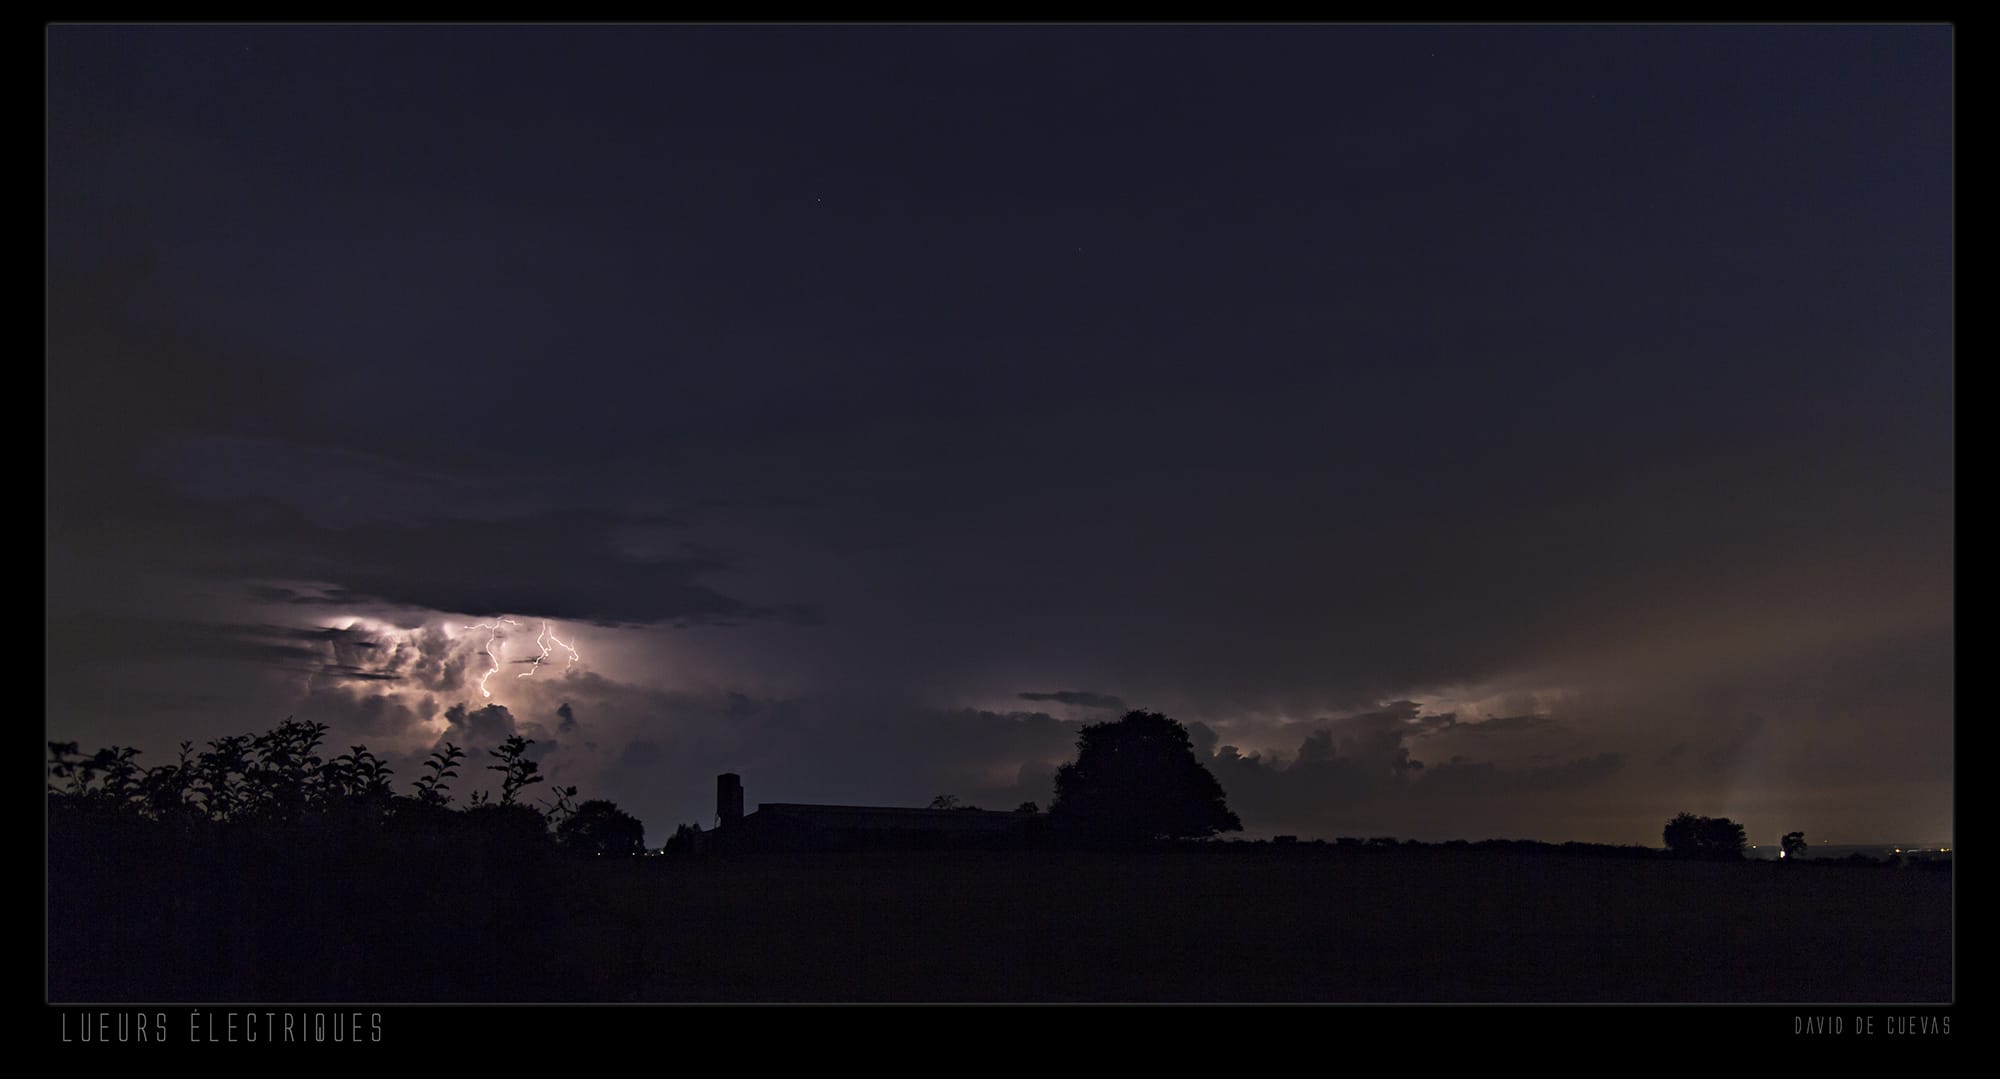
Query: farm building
x=795 y=826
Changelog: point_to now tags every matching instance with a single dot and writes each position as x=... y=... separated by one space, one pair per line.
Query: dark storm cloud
x=556 y=564
x=568 y=717
x=482 y=727
x=422 y=661
x=1080 y=698
x=333 y=652
x=337 y=652
x=1357 y=777
x=542 y=746
x=353 y=717
x=324 y=597
x=425 y=658
x=1506 y=725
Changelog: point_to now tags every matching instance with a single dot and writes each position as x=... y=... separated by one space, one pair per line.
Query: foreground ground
x=1255 y=924
x=1366 y=926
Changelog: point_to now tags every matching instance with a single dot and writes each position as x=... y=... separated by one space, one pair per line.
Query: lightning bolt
x=542 y=639
x=493 y=633
x=571 y=649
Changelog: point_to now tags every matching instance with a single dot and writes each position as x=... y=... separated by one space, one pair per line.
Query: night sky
x=1491 y=432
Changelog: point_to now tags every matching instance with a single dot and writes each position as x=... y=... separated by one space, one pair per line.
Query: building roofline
x=901 y=810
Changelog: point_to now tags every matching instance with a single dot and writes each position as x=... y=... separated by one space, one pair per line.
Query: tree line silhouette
x=279 y=779
x=262 y=867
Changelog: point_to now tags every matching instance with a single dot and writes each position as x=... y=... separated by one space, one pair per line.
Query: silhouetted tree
x=1793 y=845
x=442 y=765
x=600 y=827
x=1137 y=779
x=559 y=808
x=1704 y=837
x=945 y=801
x=516 y=770
x=283 y=783
x=106 y=778
x=219 y=776
x=167 y=788
x=1027 y=807
x=358 y=776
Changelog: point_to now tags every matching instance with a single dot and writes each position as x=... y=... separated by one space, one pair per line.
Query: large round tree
x=1138 y=779
x=600 y=827
x=1704 y=837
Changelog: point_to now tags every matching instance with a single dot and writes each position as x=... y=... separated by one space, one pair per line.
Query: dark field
x=1250 y=924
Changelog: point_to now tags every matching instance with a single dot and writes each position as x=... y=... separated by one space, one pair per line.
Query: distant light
x=1781 y=854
